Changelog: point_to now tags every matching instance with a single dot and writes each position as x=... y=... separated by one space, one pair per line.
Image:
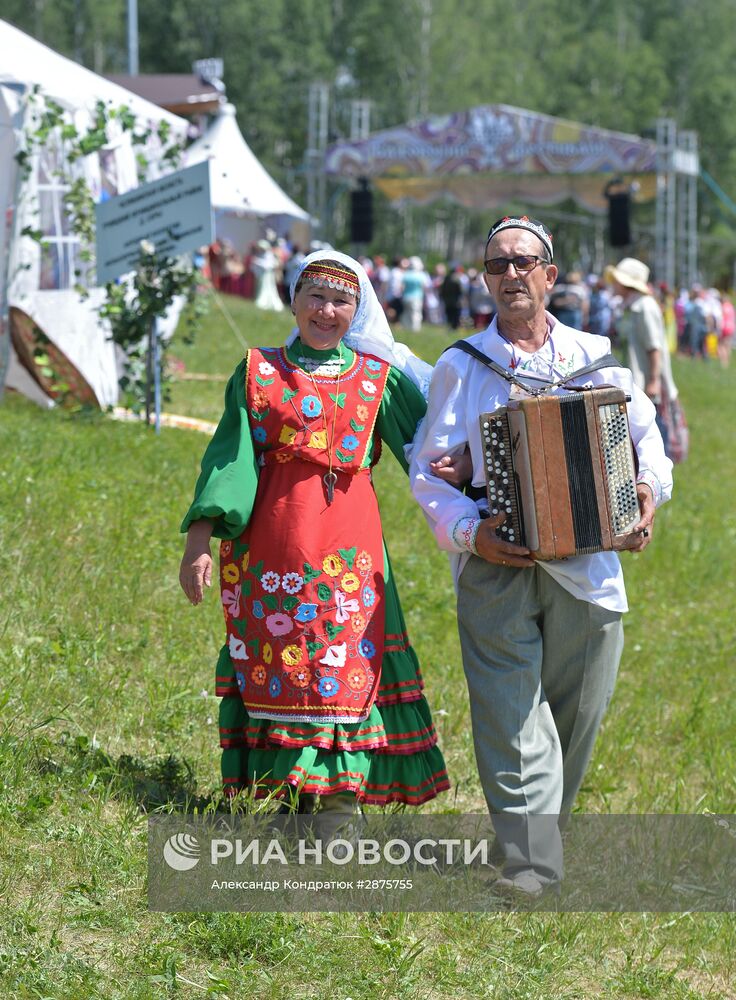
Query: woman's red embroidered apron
x=302 y=588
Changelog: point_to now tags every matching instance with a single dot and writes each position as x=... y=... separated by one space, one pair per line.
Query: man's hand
x=195 y=572
x=646 y=522
x=495 y=550
x=454 y=469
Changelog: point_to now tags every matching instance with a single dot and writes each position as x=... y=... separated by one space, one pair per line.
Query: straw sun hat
x=631 y=273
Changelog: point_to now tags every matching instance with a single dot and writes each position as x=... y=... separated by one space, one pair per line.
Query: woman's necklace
x=330 y=477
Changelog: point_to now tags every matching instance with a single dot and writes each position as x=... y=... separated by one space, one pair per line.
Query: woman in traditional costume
x=321 y=690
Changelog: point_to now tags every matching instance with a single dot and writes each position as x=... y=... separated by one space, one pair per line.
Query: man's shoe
x=524 y=885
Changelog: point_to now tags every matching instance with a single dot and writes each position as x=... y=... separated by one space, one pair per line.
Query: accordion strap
x=607 y=361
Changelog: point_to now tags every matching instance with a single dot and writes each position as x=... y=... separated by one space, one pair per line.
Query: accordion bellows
x=562 y=469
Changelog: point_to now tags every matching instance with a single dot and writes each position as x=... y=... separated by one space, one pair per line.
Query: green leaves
x=333 y=630
x=348 y=555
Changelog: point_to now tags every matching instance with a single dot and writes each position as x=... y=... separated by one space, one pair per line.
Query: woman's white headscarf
x=369 y=331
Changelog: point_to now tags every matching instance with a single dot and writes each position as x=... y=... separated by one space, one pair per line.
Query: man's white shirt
x=462 y=388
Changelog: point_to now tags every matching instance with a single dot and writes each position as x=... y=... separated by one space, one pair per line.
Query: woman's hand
x=195 y=572
x=454 y=469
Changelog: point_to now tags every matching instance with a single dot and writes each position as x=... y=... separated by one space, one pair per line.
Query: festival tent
x=246 y=199
x=52 y=341
x=494 y=154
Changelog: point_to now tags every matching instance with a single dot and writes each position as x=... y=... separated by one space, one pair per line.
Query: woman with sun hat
x=321 y=690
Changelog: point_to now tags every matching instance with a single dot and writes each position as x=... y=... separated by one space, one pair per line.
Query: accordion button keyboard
x=499 y=476
x=619 y=466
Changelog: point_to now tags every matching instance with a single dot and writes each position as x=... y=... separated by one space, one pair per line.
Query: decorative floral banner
x=493 y=139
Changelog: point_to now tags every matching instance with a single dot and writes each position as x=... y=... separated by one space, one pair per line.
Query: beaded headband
x=331 y=274
x=523 y=222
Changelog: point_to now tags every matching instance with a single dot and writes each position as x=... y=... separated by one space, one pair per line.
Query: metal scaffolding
x=317 y=134
x=676 y=220
x=360 y=120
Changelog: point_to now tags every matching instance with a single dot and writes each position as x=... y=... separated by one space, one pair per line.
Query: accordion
x=562 y=470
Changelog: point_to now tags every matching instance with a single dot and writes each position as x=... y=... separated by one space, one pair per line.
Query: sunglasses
x=498 y=265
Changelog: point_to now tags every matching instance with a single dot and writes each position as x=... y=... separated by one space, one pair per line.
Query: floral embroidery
x=266 y=369
x=287 y=434
x=246 y=560
x=240 y=678
x=258 y=611
x=464 y=532
x=231 y=601
x=225 y=549
x=357 y=678
x=369 y=597
x=363 y=412
x=260 y=399
x=292 y=583
x=335 y=656
x=270 y=582
x=366 y=648
x=301 y=677
x=328 y=687
x=230 y=573
x=359 y=623
x=350 y=583
x=284 y=456
x=368 y=388
x=237 y=648
x=267 y=653
x=363 y=562
x=348 y=555
x=373 y=366
x=279 y=624
x=331 y=564
x=274 y=688
x=349 y=442
x=333 y=630
x=306 y=613
x=649 y=479
x=291 y=656
x=259 y=435
x=258 y=674
x=311 y=407
x=344 y=606
x=318 y=439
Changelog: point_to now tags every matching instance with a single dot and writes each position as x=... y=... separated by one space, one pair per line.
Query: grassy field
x=105 y=714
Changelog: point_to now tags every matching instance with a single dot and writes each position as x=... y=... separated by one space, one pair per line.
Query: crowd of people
x=699 y=322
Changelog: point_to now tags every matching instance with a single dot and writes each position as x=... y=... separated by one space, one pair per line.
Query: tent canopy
x=496 y=153
x=26 y=61
x=47 y=318
x=238 y=181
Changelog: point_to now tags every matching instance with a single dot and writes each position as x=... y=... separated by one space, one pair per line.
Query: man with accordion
x=565 y=473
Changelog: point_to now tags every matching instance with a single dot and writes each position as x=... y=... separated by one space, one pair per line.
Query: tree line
x=618 y=65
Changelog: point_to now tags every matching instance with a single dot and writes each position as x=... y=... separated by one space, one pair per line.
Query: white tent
x=49 y=319
x=245 y=197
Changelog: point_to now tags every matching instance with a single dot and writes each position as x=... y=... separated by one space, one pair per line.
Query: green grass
x=102 y=717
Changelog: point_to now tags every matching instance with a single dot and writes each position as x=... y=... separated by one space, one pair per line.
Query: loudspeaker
x=361 y=215
x=619 y=231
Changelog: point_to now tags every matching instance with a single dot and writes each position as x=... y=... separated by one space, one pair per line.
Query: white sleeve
x=452 y=516
x=655 y=469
